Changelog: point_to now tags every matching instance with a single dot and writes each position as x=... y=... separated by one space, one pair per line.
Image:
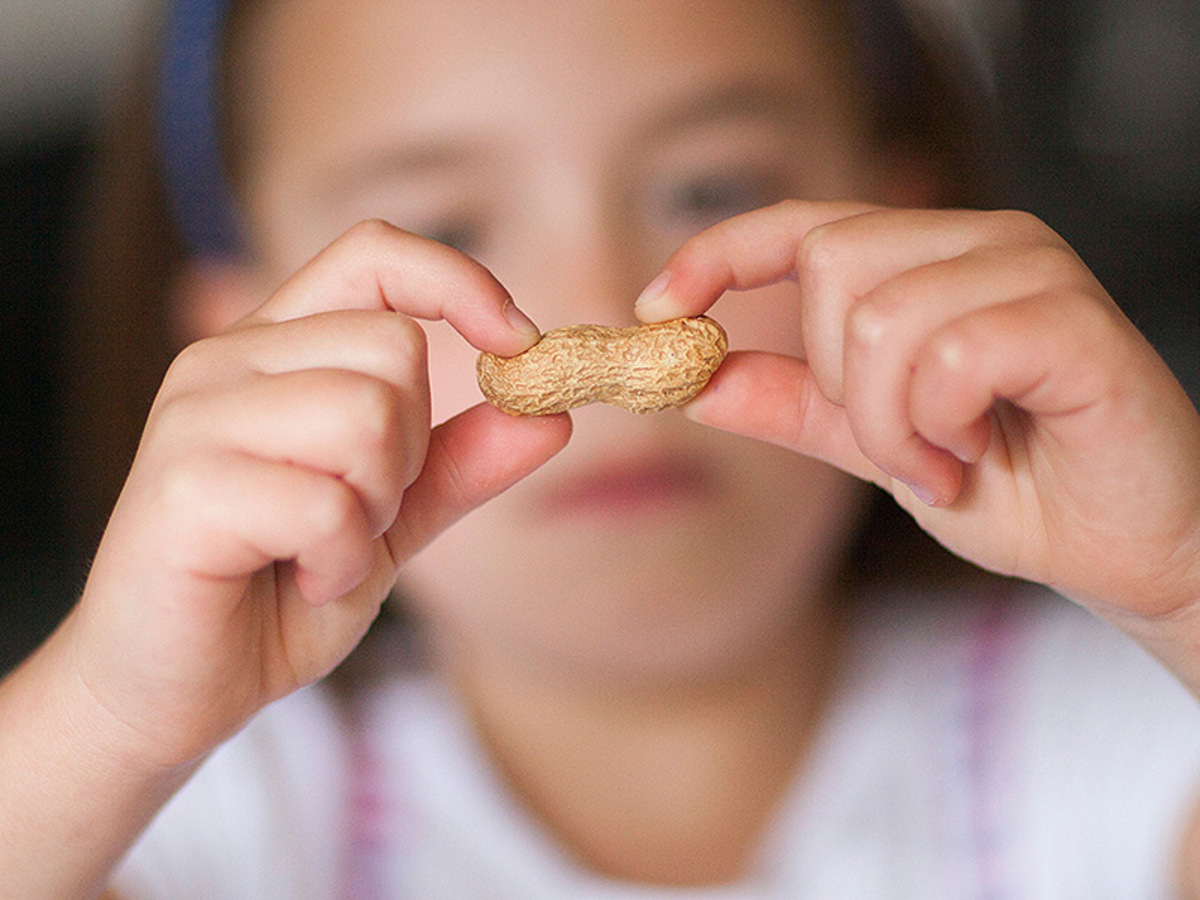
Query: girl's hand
x=287 y=470
x=970 y=364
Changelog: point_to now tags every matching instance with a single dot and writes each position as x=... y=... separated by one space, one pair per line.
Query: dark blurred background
x=55 y=62
x=1099 y=103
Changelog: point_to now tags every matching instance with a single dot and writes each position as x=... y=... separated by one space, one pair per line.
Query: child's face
x=570 y=147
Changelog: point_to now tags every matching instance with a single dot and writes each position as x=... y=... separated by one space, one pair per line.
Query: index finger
x=747 y=251
x=377 y=266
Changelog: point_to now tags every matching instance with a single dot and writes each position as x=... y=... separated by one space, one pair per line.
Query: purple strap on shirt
x=987 y=752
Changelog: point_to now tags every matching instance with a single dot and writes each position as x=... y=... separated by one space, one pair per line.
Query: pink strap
x=988 y=756
x=368 y=814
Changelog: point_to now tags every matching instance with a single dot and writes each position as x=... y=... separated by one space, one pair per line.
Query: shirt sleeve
x=260 y=819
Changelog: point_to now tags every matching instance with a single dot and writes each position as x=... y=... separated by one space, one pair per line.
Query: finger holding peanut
x=287 y=469
x=641 y=369
x=971 y=364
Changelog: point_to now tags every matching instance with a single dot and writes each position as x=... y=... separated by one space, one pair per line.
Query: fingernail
x=518 y=320
x=654 y=291
x=922 y=493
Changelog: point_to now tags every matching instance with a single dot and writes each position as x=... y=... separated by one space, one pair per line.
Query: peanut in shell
x=642 y=368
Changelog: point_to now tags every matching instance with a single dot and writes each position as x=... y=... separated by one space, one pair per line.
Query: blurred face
x=571 y=147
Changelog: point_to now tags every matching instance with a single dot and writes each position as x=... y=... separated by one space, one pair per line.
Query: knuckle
x=332 y=510
x=405 y=347
x=374 y=408
x=390 y=345
x=789 y=209
x=820 y=253
x=366 y=242
x=948 y=353
x=193 y=364
x=173 y=415
x=1056 y=263
x=1017 y=224
x=371 y=231
x=870 y=323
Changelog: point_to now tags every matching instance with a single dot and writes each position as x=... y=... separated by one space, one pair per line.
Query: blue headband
x=197 y=182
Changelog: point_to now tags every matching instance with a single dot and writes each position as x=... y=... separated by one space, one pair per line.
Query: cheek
x=764 y=319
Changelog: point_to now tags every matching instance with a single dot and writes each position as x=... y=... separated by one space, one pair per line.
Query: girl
x=634 y=672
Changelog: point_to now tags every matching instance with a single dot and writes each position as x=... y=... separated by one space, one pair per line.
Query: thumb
x=775 y=398
x=472 y=457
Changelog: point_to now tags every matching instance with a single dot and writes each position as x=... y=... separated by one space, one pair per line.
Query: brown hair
x=120 y=341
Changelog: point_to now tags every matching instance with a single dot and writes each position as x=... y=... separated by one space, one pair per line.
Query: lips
x=625 y=488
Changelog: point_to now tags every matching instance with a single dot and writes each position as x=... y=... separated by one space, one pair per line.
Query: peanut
x=643 y=369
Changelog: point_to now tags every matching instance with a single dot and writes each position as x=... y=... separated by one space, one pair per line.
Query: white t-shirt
x=995 y=750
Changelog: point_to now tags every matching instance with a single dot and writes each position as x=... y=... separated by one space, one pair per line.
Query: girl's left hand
x=970 y=364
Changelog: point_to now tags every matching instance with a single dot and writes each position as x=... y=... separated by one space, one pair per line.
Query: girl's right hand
x=287 y=469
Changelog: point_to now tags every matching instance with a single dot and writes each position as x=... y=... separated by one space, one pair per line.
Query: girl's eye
x=706 y=199
x=466 y=237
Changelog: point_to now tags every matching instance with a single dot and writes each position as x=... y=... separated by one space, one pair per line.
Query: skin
x=289 y=473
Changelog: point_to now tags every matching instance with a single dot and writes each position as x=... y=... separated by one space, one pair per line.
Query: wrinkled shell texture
x=643 y=369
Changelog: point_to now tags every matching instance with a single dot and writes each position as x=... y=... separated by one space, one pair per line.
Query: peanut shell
x=643 y=368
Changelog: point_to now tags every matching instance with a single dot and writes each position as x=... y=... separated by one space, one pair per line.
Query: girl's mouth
x=628 y=488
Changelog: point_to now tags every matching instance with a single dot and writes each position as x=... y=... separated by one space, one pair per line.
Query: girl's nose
x=591 y=270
